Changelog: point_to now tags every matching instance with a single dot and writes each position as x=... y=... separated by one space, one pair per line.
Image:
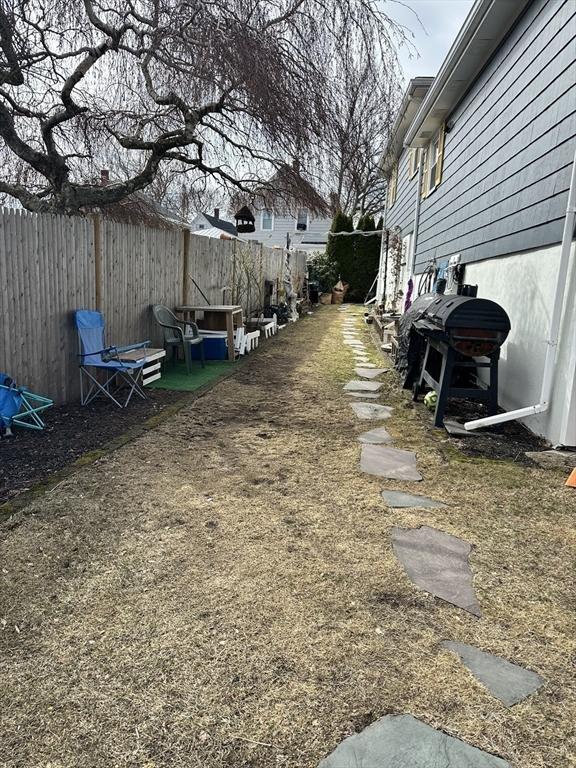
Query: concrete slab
x=370 y=373
x=398 y=499
x=391 y=463
x=402 y=741
x=437 y=563
x=378 y=436
x=563 y=460
x=371 y=411
x=362 y=386
x=506 y=681
x=368 y=365
x=456 y=429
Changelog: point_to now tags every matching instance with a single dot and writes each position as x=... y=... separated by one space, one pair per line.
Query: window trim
x=413 y=161
x=392 y=186
x=438 y=139
x=307 y=221
x=272 y=220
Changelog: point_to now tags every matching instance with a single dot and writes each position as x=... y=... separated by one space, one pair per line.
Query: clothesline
x=357 y=232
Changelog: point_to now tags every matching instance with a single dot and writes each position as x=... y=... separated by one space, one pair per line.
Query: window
x=413 y=162
x=392 y=184
x=267 y=220
x=302 y=220
x=433 y=160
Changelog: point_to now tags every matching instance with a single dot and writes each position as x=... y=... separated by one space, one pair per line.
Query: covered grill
x=451 y=338
x=474 y=327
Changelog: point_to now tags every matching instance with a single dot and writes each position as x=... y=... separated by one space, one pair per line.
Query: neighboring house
x=213 y=226
x=479 y=176
x=289 y=211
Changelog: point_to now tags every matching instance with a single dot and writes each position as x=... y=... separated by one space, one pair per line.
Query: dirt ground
x=222 y=592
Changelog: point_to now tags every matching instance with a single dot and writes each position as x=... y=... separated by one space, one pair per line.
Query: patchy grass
x=221 y=592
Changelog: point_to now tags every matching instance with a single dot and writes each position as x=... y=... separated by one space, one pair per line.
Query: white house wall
x=523 y=284
x=317 y=231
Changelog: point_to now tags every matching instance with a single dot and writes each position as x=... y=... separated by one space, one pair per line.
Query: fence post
x=185 y=264
x=97 y=230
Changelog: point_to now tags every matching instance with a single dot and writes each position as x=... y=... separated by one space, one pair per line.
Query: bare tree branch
x=226 y=89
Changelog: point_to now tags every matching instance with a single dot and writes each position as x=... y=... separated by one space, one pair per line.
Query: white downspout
x=416 y=215
x=555 y=321
x=382 y=265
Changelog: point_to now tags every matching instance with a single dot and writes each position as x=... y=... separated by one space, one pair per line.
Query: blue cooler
x=215 y=346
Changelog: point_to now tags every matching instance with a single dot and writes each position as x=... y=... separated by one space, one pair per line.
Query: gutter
x=454 y=55
x=555 y=321
x=486 y=25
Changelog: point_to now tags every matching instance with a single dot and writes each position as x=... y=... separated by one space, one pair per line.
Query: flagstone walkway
x=223 y=592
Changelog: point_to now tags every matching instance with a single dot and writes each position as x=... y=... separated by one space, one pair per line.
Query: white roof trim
x=485 y=27
x=411 y=101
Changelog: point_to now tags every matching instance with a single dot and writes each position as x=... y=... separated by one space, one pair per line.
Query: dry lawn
x=222 y=593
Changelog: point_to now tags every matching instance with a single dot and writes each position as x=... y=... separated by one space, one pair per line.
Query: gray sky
x=435 y=31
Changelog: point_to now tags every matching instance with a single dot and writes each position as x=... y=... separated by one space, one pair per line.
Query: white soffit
x=486 y=26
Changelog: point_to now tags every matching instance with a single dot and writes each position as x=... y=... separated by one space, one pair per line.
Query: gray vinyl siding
x=507 y=159
x=401 y=214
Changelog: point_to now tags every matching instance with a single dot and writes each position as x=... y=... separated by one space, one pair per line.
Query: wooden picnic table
x=217 y=317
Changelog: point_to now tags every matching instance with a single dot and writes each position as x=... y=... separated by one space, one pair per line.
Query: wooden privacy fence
x=52 y=265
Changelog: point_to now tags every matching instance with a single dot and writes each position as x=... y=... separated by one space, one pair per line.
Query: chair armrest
x=105 y=351
x=194 y=327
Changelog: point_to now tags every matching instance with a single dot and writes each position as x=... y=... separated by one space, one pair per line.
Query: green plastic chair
x=175 y=335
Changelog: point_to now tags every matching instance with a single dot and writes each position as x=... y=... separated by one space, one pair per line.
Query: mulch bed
x=72 y=430
x=509 y=440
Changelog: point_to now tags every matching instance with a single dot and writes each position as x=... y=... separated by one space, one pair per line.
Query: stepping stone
x=398 y=499
x=362 y=386
x=376 y=436
x=391 y=463
x=506 y=681
x=368 y=365
x=438 y=563
x=402 y=741
x=370 y=373
x=367 y=395
x=371 y=411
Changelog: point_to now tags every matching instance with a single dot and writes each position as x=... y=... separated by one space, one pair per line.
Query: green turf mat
x=176 y=378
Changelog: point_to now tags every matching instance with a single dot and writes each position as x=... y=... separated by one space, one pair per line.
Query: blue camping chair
x=94 y=354
x=20 y=406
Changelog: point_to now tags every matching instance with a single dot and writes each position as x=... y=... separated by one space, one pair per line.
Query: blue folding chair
x=94 y=354
x=19 y=406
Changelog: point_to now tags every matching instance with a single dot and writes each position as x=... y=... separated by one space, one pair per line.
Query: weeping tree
x=365 y=91
x=227 y=90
